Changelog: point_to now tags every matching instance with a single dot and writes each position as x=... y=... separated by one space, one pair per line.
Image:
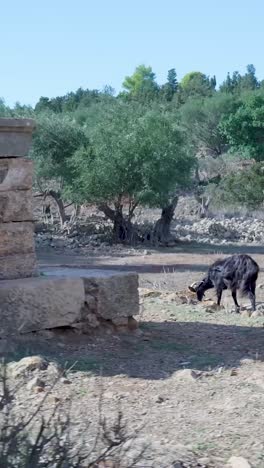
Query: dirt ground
x=194 y=379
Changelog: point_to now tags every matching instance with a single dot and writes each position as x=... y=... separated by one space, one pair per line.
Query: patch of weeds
x=203 y=446
x=82 y=392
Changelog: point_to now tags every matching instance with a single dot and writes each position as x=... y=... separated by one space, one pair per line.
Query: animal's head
x=201 y=287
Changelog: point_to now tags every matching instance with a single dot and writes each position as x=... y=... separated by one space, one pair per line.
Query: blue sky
x=50 y=47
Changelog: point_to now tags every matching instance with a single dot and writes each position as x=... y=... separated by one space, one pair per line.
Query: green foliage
x=244 y=129
x=82 y=98
x=54 y=143
x=141 y=84
x=202 y=117
x=239 y=83
x=140 y=144
x=197 y=84
x=243 y=187
x=136 y=154
x=171 y=87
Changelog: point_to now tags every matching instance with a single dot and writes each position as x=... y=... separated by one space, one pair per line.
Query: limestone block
x=39 y=303
x=15 y=137
x=18 y=266
x=16 y=238
x=15 y=174
x=116 y=296
x=16 y=206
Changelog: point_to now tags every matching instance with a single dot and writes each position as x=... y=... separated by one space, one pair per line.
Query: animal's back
x=237 y=267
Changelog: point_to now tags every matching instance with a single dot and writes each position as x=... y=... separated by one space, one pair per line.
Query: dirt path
x=171 y=268
x=195 y=379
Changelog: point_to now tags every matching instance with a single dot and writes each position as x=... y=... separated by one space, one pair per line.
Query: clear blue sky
x=50 y=47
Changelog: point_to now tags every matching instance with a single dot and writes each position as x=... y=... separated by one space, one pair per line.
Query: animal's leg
x=219 y=295
x=252 y=296
x=234 y=296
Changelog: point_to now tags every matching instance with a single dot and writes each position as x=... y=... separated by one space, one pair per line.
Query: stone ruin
x=29 y=301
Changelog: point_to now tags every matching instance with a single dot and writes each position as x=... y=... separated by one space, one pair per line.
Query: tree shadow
x=163 y=349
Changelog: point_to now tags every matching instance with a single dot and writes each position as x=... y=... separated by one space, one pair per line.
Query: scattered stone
x=65 y=381
x=256 y=314
x=34 y=383
x=246 y=361
x=54 y=369
x=144 y=292
x=205 y=461
x=38 y=389
x=213 y=308
x=27 y=365
x=238 y=462
x=160 y=399
x=187 y=374
x=245 y=313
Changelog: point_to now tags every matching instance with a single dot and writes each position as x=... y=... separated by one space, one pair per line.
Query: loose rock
x=238 y=462
x=27 y=365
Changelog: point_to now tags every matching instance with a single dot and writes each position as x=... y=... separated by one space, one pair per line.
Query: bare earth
x=214 y=412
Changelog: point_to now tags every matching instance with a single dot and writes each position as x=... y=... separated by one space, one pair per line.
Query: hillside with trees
x=149 y=144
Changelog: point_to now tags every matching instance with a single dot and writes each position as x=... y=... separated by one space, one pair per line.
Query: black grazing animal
x=235 y=272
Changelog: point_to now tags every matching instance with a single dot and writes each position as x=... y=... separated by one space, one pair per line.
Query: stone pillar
x=17 y=249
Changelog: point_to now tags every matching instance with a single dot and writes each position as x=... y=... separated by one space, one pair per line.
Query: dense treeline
x=150 y=143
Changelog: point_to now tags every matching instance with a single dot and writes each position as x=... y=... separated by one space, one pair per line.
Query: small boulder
x=187 y=374
x=27 y=365
x=35 y=382
x=238 y=462
x=245 y=313
x=256 y=314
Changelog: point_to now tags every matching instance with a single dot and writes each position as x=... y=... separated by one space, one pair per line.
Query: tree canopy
x=146 y=142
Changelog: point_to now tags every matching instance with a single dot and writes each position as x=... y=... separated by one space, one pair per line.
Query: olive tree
x=137 y=157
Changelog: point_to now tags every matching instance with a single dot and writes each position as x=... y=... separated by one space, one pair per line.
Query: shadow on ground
x=162 y=349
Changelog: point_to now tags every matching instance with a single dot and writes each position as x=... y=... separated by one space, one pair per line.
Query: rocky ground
x=92 y=231
x=191 y=377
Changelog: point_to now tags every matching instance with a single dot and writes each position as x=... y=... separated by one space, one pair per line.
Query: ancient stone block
x=15 y=206
x=116 y=296
x=15 y=137
x=15 y=174
x=16 y=238
x=39 y=303
x=18 y=266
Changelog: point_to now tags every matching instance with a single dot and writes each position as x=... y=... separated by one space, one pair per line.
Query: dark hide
x=238 y=272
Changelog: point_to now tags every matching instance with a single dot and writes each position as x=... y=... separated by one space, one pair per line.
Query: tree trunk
x=204 y=203
x=56 y=197
x=161 y=233
x=75 y=213
x=122 y=227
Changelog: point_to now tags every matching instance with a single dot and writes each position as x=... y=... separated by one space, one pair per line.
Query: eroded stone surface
x=117 y=296
x=16 y=238
x=15 y=174
x=15 y=206
x=83 y=303
x=15 y=137
x=39 y=303
x=18 y=266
